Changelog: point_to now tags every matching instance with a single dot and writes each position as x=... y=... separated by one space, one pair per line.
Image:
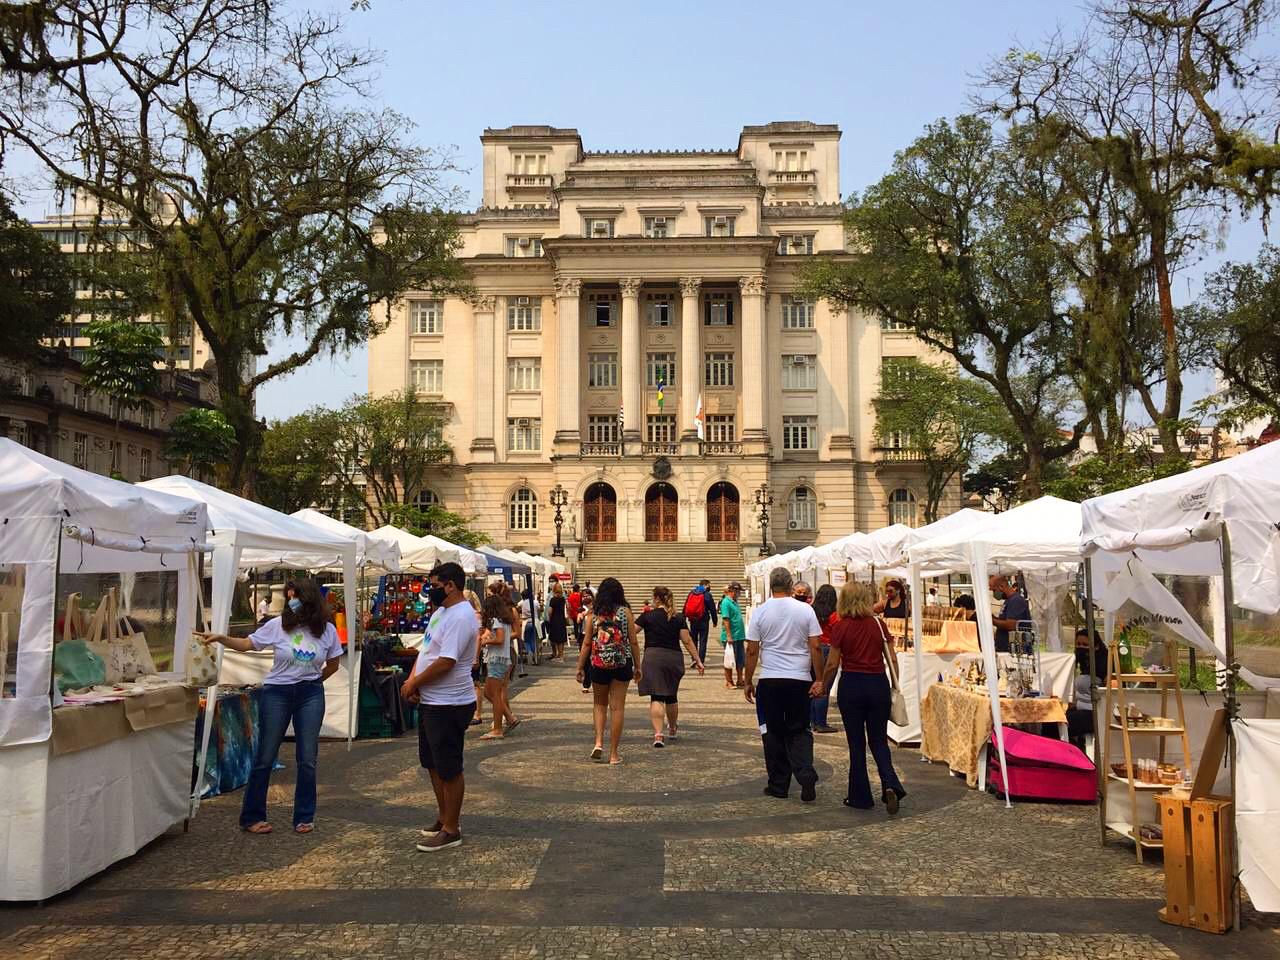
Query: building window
x=799 y=433
x=719 y=226
x=721 y=428
x=659 y=309
x=528 y=164
x=524 y=373
x=902 y=507
x=896 y=372
x=144 y=464
x=603 y=307
x=658 y=227
x=80 y=451
x=20 y=433
x=524 y=434
x=524 y=246
x=117 y=457
x=80 y=396
x=602 y=369
x=894 y=326
x=898 y=440
x=426 y=316
x=602 y=429
x=802 y=509
x=147 y=416
x=661 y=428
x=524 y=315
x=795 y=244
x=790 y=160
x=717 y=310
x=601 y=228
x=799 y=371
x=797 y=313
x=718 y=370
x=426 y=499
x=660 y=368
x=427 y=376
x=522 y=510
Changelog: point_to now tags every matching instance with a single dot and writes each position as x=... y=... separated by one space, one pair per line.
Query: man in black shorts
x=441 y=683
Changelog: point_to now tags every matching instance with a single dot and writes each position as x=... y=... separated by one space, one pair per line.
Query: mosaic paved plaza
x=675 y=853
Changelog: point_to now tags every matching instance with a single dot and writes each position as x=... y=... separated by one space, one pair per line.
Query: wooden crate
x=1197 y=861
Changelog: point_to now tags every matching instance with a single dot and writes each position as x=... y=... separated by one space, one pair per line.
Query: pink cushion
x=1028 y=748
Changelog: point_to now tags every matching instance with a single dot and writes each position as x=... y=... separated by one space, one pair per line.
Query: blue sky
x=684 y=75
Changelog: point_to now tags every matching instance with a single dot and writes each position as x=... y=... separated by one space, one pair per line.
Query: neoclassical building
x=637 y=338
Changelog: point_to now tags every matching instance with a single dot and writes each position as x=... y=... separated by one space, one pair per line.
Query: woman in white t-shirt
x=499 y=618
x=306 y=651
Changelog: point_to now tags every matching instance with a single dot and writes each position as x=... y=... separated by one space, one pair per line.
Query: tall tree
x=36 y=288
x=954 y=243
x=296 y=469
x=276 y=201
x=120 y=362
x=199 y=440
x=938 y=419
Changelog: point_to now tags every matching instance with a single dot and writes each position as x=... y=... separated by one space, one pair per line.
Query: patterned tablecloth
x=956 y=724
x=233 y=742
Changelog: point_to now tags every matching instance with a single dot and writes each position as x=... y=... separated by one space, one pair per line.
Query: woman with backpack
x=611 y=652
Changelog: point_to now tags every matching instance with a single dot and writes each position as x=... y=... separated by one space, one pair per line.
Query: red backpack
x=695 y=606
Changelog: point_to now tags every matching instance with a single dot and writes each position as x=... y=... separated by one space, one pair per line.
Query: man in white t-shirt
x=784 y=640
x=441 y=685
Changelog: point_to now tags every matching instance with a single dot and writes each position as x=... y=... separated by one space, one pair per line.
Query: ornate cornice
x=630 y=286
x=568 y=286
x=752 y=286
x=801 y=211
x=483 y=303
x=689 y=286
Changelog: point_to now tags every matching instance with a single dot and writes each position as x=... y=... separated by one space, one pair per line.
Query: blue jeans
x=698 y=630
x=818 y=706
x=303 y=705
x=864 y=707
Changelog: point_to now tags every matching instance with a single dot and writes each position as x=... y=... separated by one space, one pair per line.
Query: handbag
x=202 y=662
x=124 y=651
x=897 y=702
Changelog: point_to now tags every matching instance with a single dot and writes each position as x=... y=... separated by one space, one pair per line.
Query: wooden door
x=660 y=514
x=722 y=513
x=600 y=510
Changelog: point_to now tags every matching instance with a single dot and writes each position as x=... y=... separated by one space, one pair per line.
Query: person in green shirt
x=732 y=629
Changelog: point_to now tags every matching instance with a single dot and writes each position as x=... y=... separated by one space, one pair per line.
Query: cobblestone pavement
x=675 y=853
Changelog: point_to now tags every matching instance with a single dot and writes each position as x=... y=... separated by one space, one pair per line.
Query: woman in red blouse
x=858 y=649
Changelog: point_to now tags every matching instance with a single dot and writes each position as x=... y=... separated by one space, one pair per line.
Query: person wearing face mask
x=441 y=684
x=1080 y=713
x=306 y=651
x=1013 y=609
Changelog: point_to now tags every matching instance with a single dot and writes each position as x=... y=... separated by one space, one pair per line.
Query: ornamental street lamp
x=764 y=500
x=559 y=500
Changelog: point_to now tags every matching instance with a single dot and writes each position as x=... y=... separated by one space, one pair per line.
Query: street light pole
x=559 y=500
x=764 y=500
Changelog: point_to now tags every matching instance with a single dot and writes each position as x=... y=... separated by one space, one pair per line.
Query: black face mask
x=435 y=595
x=1082 y=660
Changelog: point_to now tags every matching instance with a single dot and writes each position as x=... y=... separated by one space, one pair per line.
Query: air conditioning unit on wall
x=522 y=421
x=522 y=301
x=525 y=241
x=721 y=221
x=793 y=525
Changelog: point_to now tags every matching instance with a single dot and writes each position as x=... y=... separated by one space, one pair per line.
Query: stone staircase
x=679 y=566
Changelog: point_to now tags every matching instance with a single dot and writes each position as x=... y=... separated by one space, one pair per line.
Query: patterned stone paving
x=674 y=854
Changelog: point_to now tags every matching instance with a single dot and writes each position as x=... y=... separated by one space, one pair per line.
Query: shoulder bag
x=202 y=660
x=897 y=702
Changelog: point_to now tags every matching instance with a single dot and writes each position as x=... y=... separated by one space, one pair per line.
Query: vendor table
x=957 y=726
x=1057 y=676
x=233 y=742
x=249 y=669
x=111 y=778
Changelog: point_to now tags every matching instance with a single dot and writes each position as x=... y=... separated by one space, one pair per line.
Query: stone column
x=752 y=365
x=568 y=389
x=631 y=369
x=690 y=357
x=483 y=447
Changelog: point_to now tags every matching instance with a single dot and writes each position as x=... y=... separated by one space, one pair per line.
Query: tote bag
x=202 y=659
x=897 y=702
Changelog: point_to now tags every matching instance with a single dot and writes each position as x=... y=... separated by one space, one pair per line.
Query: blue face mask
x=295 y=604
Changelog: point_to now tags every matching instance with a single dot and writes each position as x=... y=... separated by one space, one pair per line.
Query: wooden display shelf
x=1125 y=829
x=1147 y=678
x=1168 y=731
x=1138 y=784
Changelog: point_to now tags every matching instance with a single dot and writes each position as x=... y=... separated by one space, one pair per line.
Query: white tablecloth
x=1058 y=670
x=65 y=818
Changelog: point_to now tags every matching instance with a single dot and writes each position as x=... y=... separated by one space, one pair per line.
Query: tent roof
x=1044 y=531
x=1171 y=524
x=418 y=554
x=252 y=526
x=504 y=561
x=371 y=549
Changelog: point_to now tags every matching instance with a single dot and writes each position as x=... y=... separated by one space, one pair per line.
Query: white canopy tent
x=373 y=552
x=1220 y=521
x=238 y=525
x=419 y=554
x=1043 y=534
x=68 y=815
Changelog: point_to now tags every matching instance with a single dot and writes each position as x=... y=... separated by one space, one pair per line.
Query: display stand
x=1141 y=795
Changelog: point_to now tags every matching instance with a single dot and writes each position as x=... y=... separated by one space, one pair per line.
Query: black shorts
x=660 y=699
x=606 y=676
x=441 y=732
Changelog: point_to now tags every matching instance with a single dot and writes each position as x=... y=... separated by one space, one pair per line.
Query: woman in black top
x=894 y=604
x=664 y=632
x=556 y=621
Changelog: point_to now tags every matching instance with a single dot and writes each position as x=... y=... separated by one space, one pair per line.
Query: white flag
x=699 y=420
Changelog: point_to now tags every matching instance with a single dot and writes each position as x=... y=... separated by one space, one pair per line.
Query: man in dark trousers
x=700 y=613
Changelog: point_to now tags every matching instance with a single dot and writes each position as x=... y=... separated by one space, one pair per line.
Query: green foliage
x=35 y=284
x=996 y=481
x=940 y=417
x=1119 y=469
x=199 y=440
x=439 y=522
x=121 y=360
x=296 y=467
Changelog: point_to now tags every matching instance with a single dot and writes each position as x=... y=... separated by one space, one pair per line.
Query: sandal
x=303 y=827
x=260 y=827
x=597 y=754
x=657 y=741
x=492 y=736
x=513 y=724
x=614 y=763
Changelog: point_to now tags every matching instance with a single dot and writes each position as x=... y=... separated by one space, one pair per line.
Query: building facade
x=637 y=338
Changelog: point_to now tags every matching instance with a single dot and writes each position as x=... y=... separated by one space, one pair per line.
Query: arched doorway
x=600 y=513
x=722 y=513
x=660 y=503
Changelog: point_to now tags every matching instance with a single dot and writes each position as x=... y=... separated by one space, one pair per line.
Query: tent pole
x=1099 y=761
x=917 y=634
x=1232 y=707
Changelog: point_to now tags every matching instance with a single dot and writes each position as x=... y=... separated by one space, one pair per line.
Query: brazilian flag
x=661 y=396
